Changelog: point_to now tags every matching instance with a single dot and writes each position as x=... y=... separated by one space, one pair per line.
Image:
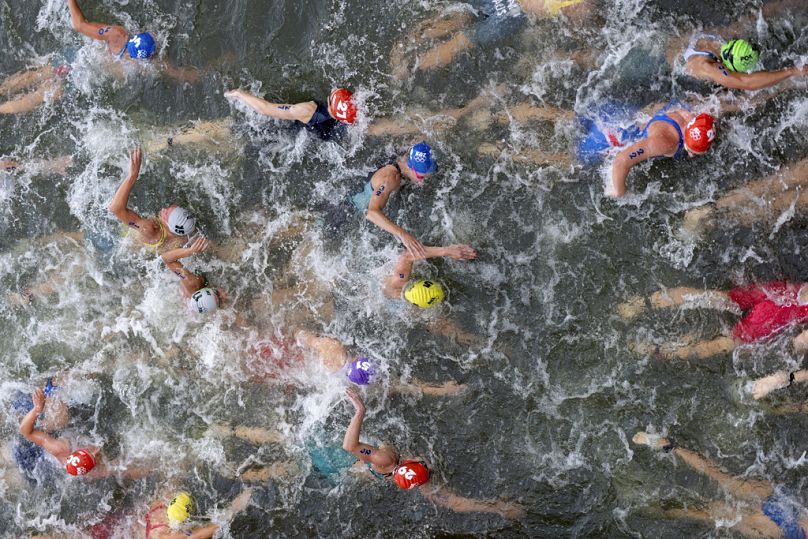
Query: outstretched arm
x=119 y=206
x=746 y=81
x=394 y=283
x=58 y=447
x=351 y=443
x=302 y=112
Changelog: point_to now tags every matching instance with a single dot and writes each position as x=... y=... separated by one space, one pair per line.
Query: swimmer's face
x=165 y=212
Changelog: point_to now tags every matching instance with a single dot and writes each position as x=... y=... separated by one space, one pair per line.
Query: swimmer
x=168 y=231
x=770 y=308
x=385 y=462
x=360 y=370
x=497 y=20
x=732 y=64
x=85 y=460
x=770 y=199
x=202 y=298
x=171 y=520
x=326 y=120
x=672 y=132
x=758 y=509
x=415 y=167
x=120 y=44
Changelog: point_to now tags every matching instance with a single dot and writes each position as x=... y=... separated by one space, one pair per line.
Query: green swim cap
x=739 y=55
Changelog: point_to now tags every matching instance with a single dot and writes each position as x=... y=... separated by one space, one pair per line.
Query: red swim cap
x=341 y=106
x=80 y=462
x=411 y=474
x=700 y=133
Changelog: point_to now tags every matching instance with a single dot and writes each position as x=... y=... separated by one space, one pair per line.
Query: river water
x=555 y=393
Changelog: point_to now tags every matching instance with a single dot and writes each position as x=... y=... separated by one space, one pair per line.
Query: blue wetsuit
x=361 y=200
x=499 y=20
x=600 y=137
x=323 y=124
x=784 y=512
x=330 y=461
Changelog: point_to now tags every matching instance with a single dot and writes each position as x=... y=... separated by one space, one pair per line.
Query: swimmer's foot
x=447 y=389
x=632 y=308
x=696 y=220
x=773 y=382
x=653 y=441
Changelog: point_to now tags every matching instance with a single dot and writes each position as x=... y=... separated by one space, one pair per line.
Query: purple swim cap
x=360 y=371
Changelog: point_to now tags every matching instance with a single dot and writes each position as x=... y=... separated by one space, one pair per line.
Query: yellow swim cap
x=424 y=293
x=180 y=507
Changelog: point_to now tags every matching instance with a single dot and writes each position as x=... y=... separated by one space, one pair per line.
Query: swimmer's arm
x=93 y=30
x=119 y=205
x=301 y=112
x=748 y=81
x=10 y=166
x=351 y=443
x=57 y=447
x=394 y=283
x=376 y=215
x=636 y=153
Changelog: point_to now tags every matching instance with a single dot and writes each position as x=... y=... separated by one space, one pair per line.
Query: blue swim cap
x=142 y=46
x=22 y=403
x=360 y=371
x=420 y=159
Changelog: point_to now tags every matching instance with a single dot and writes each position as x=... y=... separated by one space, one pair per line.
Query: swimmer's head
x=180 y=508
x=411 y=474
x=80 y=462
x=424 y=293
x=700 y=134
x=360 y=371
x=420 y=161
x=205 y=300
x=341 y=106
x=142 y=46
x=739 y=55
x=179 y=221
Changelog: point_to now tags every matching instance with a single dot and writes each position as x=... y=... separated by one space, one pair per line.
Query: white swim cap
x=181 y=222
x=204 y=301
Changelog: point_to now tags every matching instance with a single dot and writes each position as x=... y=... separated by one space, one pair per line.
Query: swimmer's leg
x=331 y=351
x=25 y=79
x=528 y=156
x=445 y=327
x=674 y=297
x=739 y=487
x=277 y=470
x=216 y=134
x=33 y=99
x=440 y=495
x=254 y=435
x=443 y=54
x=699 y=350
x=183 y=74
x=526 y=112
x=446 y=389
x=431 y=29
x=779 y=380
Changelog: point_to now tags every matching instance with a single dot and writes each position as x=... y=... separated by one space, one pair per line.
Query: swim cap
x=360 y=371
x=424 y=293
x=739 y=55
x=80 y=462
x=420 y=159
x=700 y=133
x=341 y=106
x=142 y=46
x=205 y=300
x=180 y=508
x=181 y=222
x=411 y=474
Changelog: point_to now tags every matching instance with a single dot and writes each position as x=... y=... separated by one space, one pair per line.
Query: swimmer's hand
x=135 y=159
x=460 y=252
x=38 y=397
x=200 y=245
x=359 y=405
x=413 y=246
